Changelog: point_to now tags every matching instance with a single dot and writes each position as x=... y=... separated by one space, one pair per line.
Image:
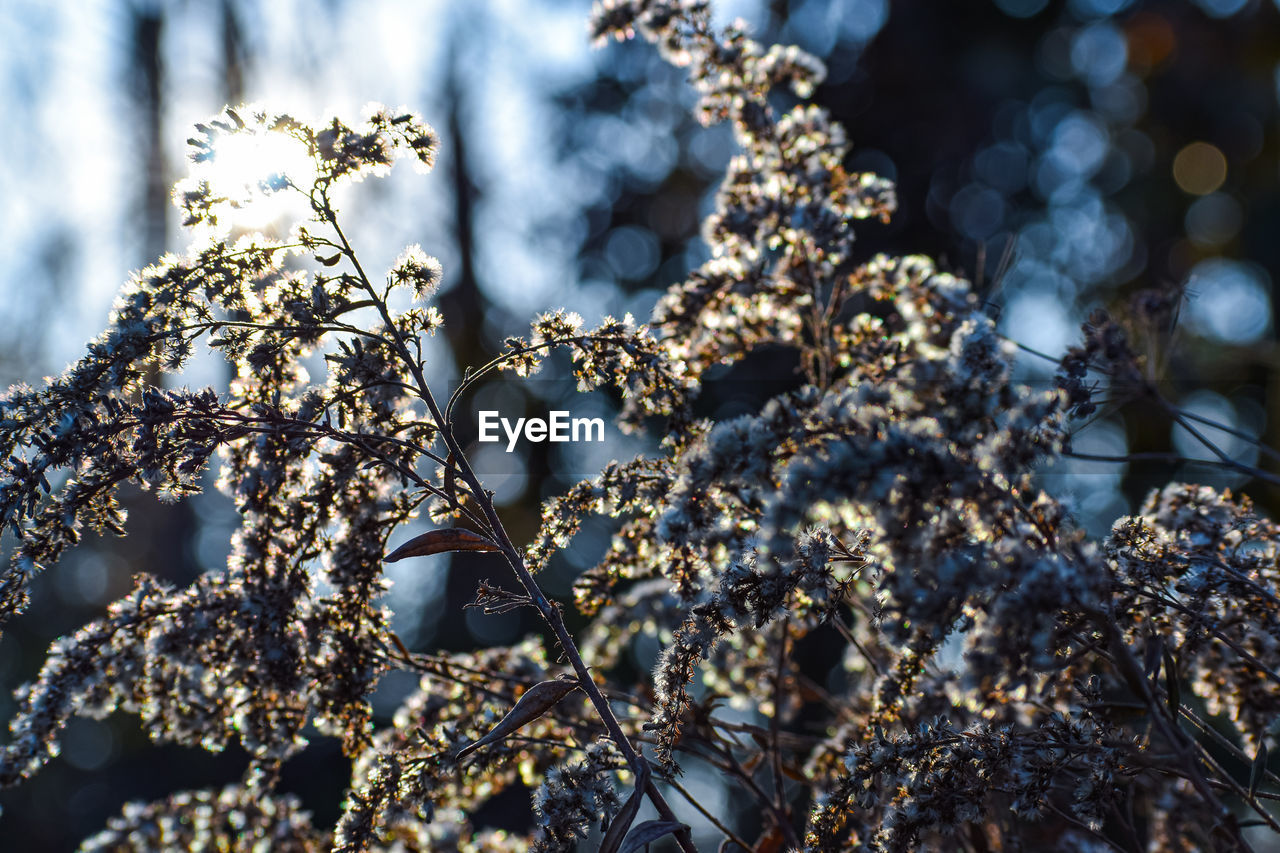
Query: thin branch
x=550 y=611
x=726 y=831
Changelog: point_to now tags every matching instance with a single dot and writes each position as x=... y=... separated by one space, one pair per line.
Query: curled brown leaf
x=440 y=542
x=535 y=702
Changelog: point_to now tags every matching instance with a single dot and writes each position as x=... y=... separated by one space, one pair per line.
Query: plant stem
x=549 y=610
x=1131 y=671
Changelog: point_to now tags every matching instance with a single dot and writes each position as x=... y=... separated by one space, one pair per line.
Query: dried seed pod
x=439 y=542
x=535 y=702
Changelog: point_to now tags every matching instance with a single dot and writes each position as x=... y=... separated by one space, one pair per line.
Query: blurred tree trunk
x=147 y=89
x=464 y=308
x=234 y=55
x=162 y=534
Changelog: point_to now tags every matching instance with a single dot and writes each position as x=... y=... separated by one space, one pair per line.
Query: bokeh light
x=1021 y=8
x=1229 y=301
x=1098 y=53
x=1221 y=8
x=1200 y=168
x=1213 y=220
x=1039 y=320
x=1098 y=8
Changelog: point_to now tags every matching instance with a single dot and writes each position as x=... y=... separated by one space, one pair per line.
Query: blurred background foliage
x=1063 y=154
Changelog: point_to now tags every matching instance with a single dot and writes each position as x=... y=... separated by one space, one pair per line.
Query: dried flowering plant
x=995 y=680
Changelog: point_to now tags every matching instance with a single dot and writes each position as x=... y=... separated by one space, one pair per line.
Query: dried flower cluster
x=993 y=679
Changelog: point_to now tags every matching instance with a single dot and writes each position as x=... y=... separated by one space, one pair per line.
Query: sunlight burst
x=253 y=168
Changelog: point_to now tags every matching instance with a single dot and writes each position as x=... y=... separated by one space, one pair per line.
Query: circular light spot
x=1003 y=166
x=1213 y=220
x=1038 y=318
x=1099 y=53
x=1151 y=41
x=87 y=744
x=977 y=211
x=1229 y=301
x=632 y=253
x=862 y=19
x=506 y=473
x=1021 y=8
x=1080 y=144
x=1199 y=168
x=1221 y=8
x=1123 y=101
x=1098 y=8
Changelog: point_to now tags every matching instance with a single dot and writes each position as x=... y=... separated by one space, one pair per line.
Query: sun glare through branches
x=258 y=171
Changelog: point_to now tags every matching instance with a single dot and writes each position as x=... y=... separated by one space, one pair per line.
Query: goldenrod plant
x=1002 y=681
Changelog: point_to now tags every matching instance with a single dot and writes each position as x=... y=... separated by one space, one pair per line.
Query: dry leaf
x=1259 y=769
x=535 y=702
x=400 y=646
x=796 y=772
x=439 y=542
x=621 y=823
x=649 y=832
x=772 y=841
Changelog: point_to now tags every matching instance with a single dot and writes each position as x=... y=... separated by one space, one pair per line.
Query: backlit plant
x=1002 y=682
